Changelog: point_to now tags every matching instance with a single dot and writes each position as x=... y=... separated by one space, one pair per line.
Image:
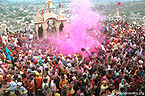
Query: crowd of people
x=115 y=68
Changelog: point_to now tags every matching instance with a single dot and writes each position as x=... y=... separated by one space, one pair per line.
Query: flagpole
x=48 y=5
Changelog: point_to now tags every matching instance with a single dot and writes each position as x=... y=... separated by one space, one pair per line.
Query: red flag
x=42 y=12
x=119 y=3
x=59 y=5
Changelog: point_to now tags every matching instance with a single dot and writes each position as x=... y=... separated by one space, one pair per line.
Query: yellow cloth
x=104 y=81
x=37 y=73
x=135 y=73
x=121 y=32
x=57 y=94
x=75 y=55
x=1 y=77
x=61 y=55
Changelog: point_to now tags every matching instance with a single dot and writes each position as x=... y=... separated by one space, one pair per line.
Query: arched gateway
x=50 y=22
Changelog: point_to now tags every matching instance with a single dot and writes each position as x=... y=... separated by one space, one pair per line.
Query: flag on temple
x=42 y=12
x=49 y=1
x=119 y=3
x=59 y=5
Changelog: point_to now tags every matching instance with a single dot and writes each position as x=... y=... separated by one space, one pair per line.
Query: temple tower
x=117 y=14
x=50 y=22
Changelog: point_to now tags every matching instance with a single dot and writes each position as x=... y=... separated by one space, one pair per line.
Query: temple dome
x=49 y=14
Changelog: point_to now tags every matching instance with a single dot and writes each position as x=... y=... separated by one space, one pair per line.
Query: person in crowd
x=22 y=90
x=31 y=67
x=63 y=85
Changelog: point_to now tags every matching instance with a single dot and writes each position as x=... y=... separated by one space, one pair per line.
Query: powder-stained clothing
x=23 y=91
x=63 y=83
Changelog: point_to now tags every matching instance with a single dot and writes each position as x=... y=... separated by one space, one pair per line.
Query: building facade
x=49 y=23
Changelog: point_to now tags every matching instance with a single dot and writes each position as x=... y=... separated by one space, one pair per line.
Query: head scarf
x=122 y=82
x=104 y=79
x=116 y=74
x=9 y=52
x=57 y=94
x=104 y=82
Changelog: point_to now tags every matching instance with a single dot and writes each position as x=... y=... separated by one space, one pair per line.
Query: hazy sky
x=70 y=0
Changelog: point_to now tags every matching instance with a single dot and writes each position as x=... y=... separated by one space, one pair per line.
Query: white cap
x=1 y=62
x=81 y=94
x=88 y=48
x=140 y=62
x=74 y=78
x=69 y=65
x=69 y=55
x=19 y=83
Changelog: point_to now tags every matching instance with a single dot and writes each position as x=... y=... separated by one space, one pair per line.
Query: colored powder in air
x=79 y=38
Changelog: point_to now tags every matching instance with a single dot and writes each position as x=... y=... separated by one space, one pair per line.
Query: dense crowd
x=116 y=68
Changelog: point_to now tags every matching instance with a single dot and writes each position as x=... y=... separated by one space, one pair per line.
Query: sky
x=70 y=0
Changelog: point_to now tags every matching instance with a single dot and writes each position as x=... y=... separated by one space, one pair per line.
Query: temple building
x=117 y=14
x=49 y=23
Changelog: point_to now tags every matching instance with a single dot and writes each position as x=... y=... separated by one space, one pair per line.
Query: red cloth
x=26 y=53
x=57 y=66
x=25 y=81
x=88 y=60
x=115 y=41
x=137 y=82
x=117 y=82
x=39 y=82
x=31 y=86
x=110 y=75
x=69 y=93
x=109 y=93
x=108 y=42
x=1 y=40
x=35 y=61
x=9 y=48
x=92 y=82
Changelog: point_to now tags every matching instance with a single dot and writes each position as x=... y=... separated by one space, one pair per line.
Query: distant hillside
x=71 y=0
x=125 y=7
x=132 y=10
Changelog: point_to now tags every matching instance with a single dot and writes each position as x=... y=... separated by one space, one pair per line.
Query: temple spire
x=117 y=13
x=50 y=5
x=45 y=6
x=38 y=14
x=59 y=11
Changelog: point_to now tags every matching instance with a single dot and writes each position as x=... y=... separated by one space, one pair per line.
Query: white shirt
x=43 y=84
x=4 y=38
x=31 y=36
x=52 y=85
